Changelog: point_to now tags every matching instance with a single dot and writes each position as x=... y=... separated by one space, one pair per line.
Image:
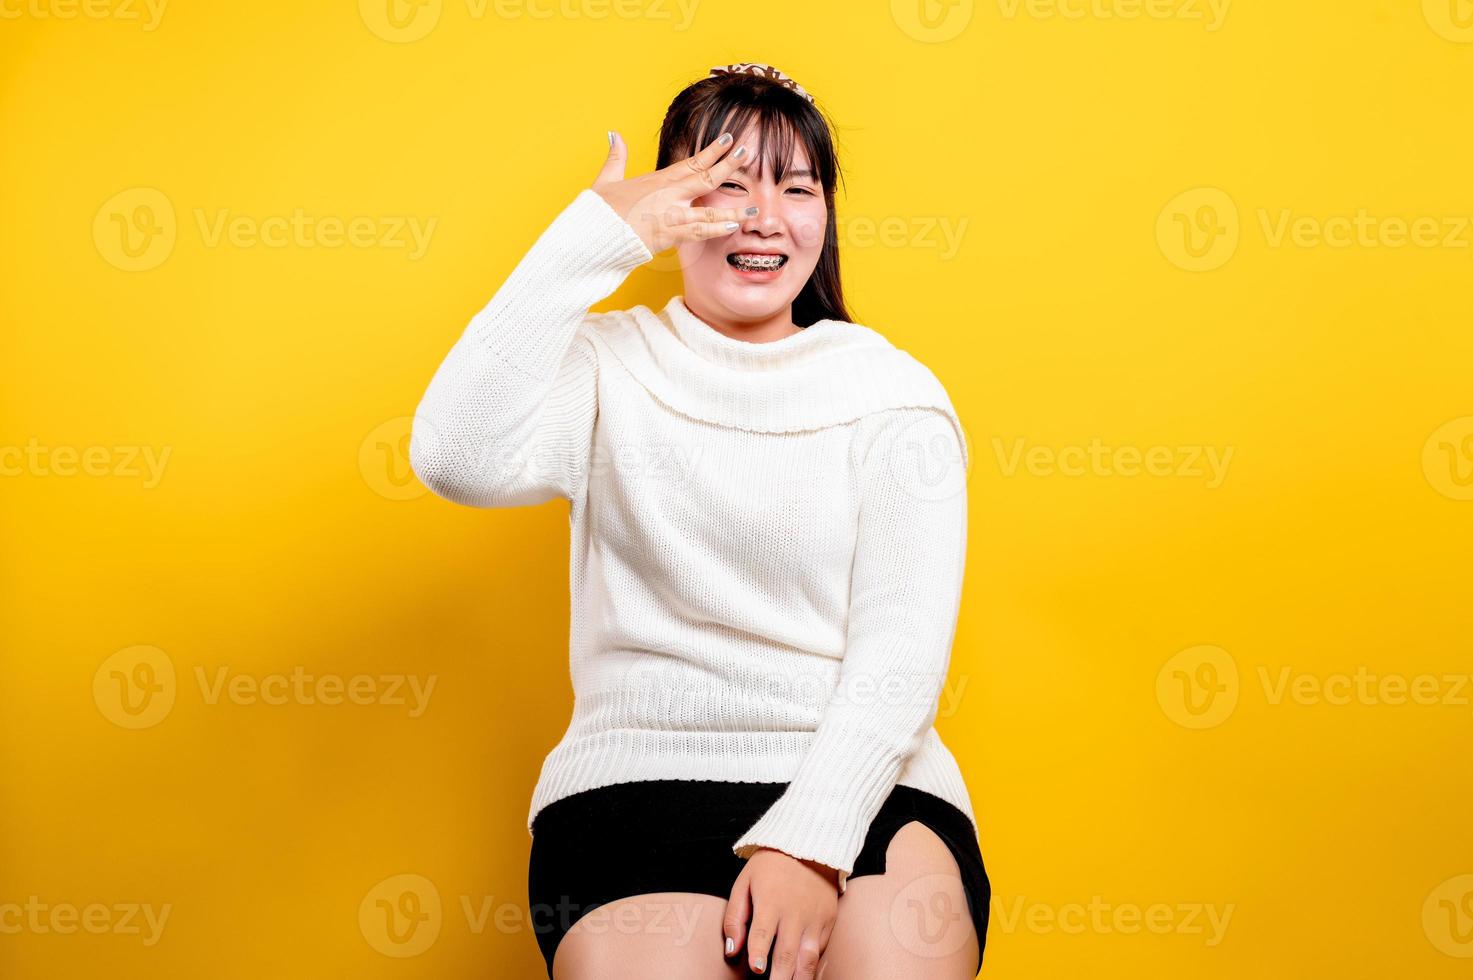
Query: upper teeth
x=755 y=261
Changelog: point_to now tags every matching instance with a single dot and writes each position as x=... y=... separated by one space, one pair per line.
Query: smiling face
x=755 y=273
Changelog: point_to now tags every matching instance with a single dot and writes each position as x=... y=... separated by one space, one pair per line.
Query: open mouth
x=756 y=261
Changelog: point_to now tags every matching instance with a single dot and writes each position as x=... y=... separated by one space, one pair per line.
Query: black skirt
x=615 y=841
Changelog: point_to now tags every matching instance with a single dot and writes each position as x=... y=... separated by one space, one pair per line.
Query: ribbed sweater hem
x=625 y=755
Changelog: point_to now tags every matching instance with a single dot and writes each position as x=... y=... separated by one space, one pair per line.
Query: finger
x=702 y=159
x=700 y=231
x=702 y=175
x=810 y=949
x=709 y=215
x=735 y=160
x=675 y=216
x=738 y=910
x=785 y=951
x=701 y=224
x=759 y=939
x=613 y=168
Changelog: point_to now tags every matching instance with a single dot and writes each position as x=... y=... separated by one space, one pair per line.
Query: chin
x=756 y=302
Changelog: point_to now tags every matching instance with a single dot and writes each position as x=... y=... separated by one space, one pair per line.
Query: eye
x=800 y=190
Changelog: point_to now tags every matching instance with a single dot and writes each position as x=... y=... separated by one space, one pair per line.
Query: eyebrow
x=801 y=173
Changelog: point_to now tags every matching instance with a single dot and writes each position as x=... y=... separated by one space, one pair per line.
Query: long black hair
x=727 y=103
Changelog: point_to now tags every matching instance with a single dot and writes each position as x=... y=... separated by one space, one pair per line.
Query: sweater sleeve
x=507 y=419
x=905 y=592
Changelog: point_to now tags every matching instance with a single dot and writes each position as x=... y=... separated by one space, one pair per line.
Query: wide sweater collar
x=830 y=373
x=789 y=352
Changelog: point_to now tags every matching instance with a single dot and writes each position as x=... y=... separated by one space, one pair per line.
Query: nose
x=767 y=221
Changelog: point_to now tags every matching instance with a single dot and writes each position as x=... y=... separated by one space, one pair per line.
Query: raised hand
x=658 y=205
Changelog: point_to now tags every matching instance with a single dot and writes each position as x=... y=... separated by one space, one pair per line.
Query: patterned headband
x=763 y=71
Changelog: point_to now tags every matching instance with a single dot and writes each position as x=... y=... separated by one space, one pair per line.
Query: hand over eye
x=658 y=205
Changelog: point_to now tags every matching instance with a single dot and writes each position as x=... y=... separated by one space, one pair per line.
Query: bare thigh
x=910 y=923
x=657 y=934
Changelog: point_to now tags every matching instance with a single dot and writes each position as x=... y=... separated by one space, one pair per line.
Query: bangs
x=778 y=137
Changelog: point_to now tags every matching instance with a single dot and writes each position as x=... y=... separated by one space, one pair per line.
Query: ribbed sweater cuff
x=580 y=258
x=827 y=811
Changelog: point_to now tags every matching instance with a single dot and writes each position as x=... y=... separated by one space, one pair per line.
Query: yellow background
x=1074 y=148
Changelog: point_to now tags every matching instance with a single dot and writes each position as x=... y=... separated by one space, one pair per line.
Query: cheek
x=702 y=254
x=808 y=228
x=701 y=261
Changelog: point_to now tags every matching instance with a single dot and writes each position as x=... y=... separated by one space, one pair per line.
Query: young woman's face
x=791 y=223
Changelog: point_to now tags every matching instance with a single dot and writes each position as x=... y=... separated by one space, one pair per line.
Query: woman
x=768 y=517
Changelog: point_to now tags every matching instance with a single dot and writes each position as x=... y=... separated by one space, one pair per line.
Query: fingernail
x=759 y=964
x=741 y=151
x=730 y=946
x=732 y=226
x=611 y=137
x=724 y=139
x=750 y=211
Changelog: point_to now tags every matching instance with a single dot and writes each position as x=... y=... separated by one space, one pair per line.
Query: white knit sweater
x=768 y=539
